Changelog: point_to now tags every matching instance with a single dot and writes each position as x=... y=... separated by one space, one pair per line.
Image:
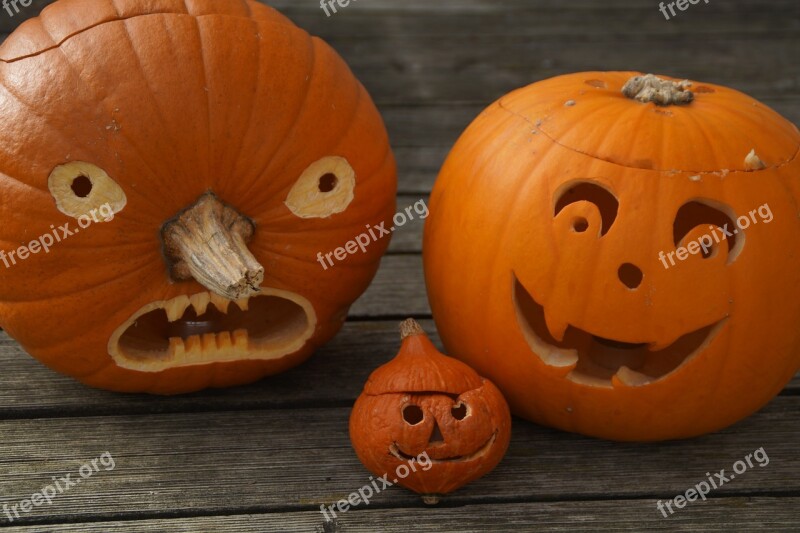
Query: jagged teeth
x=197 y=344
x=176 y=307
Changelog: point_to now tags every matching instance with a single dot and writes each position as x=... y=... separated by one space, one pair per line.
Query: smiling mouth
x=206 y=328
x=602 y=362
x=395 y=450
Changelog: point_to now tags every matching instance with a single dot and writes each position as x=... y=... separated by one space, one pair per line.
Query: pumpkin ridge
x=297 y=116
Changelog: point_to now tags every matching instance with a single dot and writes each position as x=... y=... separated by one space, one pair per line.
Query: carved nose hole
x=630 y=275
x=436 y=435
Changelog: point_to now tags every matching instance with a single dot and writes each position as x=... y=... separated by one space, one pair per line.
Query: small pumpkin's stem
x=409 y=327
x=208 y=242
x=651 y=88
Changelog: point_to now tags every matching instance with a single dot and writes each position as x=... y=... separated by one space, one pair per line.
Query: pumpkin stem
x=409 y=327
x=207 y=242
x=651 y=88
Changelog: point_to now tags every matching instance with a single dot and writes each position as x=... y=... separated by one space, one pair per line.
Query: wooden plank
x=222 y=463
x=718 y=514
x=334 y=376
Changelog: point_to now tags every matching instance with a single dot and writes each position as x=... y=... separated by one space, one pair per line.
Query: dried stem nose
x=208 y=242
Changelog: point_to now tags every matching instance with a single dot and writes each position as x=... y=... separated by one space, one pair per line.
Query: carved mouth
x=395 y=450
x=207 y=328
x=594 y=360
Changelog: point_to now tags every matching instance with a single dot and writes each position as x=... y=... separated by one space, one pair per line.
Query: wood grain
x=293 y=460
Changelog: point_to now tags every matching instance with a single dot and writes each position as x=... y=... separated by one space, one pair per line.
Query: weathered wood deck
x=266 y=456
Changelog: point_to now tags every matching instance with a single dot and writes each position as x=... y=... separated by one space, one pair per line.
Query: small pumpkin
x=545 y=253
x=219 y=150
x=432 y=411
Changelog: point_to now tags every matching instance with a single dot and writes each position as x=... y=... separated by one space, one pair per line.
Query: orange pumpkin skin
x=553 y=189
x=172 y=100
x=462 y=422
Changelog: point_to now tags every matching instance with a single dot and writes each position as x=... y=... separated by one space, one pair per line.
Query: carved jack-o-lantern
x=200 y=156
x=622 y=263
x=432 y=412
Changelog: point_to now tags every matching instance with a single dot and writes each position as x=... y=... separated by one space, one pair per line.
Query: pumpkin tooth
x=193 y=344
x=243 y=303
x=632 y=378
x=224 y=340
x=177 y=349
x=200 y=302
x=555 y=326
x=209 y=341
x=240 y=338
x=220 y=302
x=176 y=307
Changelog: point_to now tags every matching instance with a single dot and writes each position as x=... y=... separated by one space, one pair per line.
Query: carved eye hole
x=325 y=188
x=80 y=188
x=459 y=411
x=605 y=202
x=413 y=414
x=713 y=224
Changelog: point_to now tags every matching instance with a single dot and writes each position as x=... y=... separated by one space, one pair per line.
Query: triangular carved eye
x=606 y=203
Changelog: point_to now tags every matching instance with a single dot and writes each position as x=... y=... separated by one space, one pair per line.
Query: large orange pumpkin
x=199 y=156
x=563 y=254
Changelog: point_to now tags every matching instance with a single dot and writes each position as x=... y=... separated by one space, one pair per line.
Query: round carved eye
x=80 y=188
x=588 y=191
x=413 y=414
x=459 y=411
x=325 y=188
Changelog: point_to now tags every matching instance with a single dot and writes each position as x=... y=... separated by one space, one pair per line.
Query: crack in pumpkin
x=537 y=125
